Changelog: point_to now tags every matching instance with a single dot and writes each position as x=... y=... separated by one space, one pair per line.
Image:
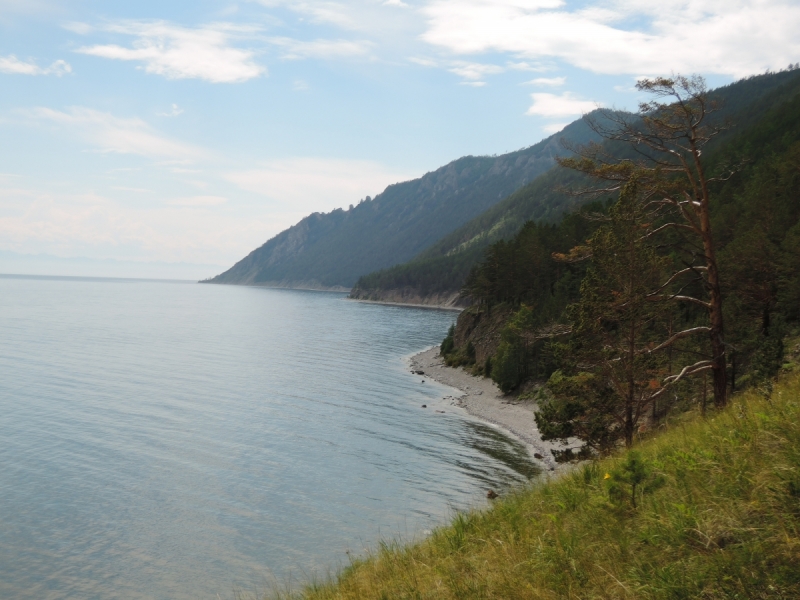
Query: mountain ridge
x=441 y=269
x=332 y=250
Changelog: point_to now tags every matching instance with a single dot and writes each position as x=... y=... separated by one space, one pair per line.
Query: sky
x=172 y=138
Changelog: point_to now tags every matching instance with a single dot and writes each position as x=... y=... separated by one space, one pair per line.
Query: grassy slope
x=725 y=524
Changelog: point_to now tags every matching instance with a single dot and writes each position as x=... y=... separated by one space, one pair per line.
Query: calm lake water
x=175 y=440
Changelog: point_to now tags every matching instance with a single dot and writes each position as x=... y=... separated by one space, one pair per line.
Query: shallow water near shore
x=174 y=440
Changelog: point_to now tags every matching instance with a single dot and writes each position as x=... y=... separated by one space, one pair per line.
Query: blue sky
x=188 y=133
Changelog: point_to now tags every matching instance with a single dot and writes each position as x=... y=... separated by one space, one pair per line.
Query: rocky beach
x=481 y=398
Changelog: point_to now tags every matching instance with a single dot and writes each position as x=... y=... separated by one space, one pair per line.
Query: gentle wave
x=171 y=440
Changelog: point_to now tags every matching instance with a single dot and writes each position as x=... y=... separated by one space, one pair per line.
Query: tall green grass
x=717 y=516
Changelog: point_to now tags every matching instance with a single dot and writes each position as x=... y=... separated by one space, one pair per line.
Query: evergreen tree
x=667 y=138
x=613 y=367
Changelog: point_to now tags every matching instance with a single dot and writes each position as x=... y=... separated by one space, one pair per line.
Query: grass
x=716 y=515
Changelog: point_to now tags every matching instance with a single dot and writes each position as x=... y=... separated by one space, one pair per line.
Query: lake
x=175 y=440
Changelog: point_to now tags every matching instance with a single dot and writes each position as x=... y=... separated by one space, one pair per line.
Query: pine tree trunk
x=718 y=367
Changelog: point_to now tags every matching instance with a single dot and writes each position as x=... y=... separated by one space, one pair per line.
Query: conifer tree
x=613 y=365
x=666 y=141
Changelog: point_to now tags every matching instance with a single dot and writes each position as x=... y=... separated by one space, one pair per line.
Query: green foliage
x=511 y=361
x=488 y=366
x=523 y=274
x=448 y=343
x=756 y=219
x=632 y=475
x=522 y=271
x=612 y=375
x=444 y=266
x=767 y=356
x=470 y=351
x=507 y=369
x=456 y=357
x=583 y=407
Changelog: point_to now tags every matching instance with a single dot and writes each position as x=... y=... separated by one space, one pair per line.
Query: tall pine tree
x=614 y=365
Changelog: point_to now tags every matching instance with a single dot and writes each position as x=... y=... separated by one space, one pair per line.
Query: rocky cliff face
x=482 y=328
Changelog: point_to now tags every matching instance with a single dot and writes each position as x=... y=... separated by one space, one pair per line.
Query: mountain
x=518 y=288
x=332 y=250
x=436 y=275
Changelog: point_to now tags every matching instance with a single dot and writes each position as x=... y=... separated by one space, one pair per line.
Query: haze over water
x=171 y=440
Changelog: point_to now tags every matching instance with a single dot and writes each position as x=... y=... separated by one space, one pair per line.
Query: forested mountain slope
x=332 y=250
x=519 y=287
x=437 y=274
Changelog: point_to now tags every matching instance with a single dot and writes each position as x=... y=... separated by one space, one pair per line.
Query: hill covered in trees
x=682 y=274
x=615 y=304
x=333 y=250
x=438 y=273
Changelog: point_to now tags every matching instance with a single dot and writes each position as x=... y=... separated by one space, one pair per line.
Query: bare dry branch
x=678 y=336
x=702 y=365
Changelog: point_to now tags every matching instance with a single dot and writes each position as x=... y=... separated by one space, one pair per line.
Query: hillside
x=437 y=274
x=715 y=514
x=333 y=250
x=704 y=502
x=755 y=216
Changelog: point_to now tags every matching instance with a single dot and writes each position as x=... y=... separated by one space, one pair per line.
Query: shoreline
x=481 y=398
x=387 y=303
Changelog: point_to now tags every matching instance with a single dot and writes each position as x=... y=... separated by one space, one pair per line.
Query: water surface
x=174 y=440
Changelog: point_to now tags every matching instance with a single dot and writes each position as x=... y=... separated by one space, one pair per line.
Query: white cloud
x=114 y=134
x=190 y=229
x=316 y=184
x=300 y=85
x=183 y=53
x=737 y=37
x=472 y=73
x=548 y=81
x=397 y=3
x=174 y=112
x=12 y=65
x=554 y=127
x=475 y=71
x=326 y=49
x=423 y=62
x=524 y=66
x=551 y=105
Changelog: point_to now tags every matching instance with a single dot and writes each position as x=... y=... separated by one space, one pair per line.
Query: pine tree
x=614 y=367
x=666 y=140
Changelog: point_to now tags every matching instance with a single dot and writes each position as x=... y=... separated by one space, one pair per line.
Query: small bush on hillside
x=448 y=343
